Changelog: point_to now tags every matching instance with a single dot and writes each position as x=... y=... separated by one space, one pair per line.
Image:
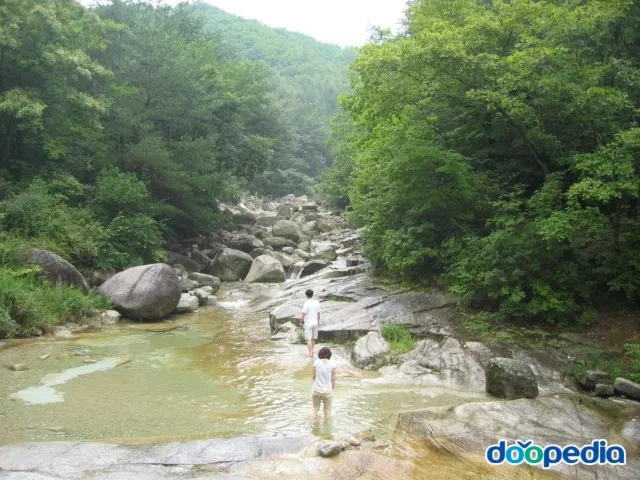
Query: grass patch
x=29 y=304
x=627 y=366
x=400 y=338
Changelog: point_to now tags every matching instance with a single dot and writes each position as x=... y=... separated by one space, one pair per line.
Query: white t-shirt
x=324 y=369
x=311 y=310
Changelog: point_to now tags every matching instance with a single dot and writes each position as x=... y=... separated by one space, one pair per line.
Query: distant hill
x=308 y=76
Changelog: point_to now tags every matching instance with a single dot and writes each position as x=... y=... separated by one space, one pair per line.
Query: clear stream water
x=214 y=373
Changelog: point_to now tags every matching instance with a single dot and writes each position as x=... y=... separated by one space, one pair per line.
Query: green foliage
x=633 y=352
x=306 y=77
x=38 y=217
x=400 y=338
x=496 y=144
x=28 y=304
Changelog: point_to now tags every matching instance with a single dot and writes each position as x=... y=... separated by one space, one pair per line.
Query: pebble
x=55 y=429
x=44 y=357
x=18 y=367
x=83 y=353
x=90 y=360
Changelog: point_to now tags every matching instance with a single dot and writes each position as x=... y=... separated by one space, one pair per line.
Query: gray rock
x=189 y=264
x=313 y=266
x=204 y=280
x=303 y=255
x=188 y=304
x=473 y=427
x=326 y=253
x=371 y=352
x=287 y=229
x=631 y=432
x=354 y=261
x=310 y=228
x=148 y=292
x=230 y=265
x=330 y=449
x=309 y=207
x=49 y=460
x=110 y=317
x=187 y=285
x=304 y=246
x=603 y=390
x=57 y=270
x=284 y=212
x=590 y=378
x=508 y=378
x=285 y=260
x=625 y=387
x=245 y=242
x=267 y=219
x=256 y=252
x=288 y=250
x=203 y=296
x=244 y=218
x=276 y=242
x=265 y=269
x=200 y=258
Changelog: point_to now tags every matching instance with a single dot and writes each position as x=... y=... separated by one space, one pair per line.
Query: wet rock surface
x=473 y=427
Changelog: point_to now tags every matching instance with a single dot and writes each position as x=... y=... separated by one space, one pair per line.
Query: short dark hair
x=325 y=352
x=309 y=293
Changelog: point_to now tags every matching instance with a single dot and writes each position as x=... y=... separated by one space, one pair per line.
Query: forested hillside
x=120 y=128
x=307 y=77
x=494 y=147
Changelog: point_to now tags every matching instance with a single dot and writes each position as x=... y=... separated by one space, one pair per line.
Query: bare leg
x=313 y=346
x=310 y=348
x=314 y=415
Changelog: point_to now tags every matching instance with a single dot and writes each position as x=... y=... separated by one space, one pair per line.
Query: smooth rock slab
x=87 y=460
x=204 y=280
x=474 y=427
x=508 y=378
x=370 y=352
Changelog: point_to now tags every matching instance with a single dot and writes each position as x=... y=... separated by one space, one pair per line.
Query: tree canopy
x=495 y=145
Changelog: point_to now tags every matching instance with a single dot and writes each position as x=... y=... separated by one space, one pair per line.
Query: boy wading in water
x=310 y=321
x=324 y=383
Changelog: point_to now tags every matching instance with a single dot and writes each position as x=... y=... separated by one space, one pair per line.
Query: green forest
x=490 y=147
x=493 y=147
x=123 y=125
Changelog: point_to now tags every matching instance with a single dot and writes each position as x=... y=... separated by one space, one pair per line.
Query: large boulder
x=328 y=252
x=244 y=218
x=370 y=352
x=625 y=387
x=267 y=219
x=173 y=259
x=285 y=260
x=230 y=265
x=287 y=229
x=310 y=228
x=245 y=242
x=276 y=242
x=57 y=270
x=204 y=280
x=265 y=269
x=313 y=266
x=309 y=207
x=200 y=258
x=147 y=292
x=508 y=378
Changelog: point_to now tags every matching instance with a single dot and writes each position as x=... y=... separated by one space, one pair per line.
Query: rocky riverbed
x=221 y=389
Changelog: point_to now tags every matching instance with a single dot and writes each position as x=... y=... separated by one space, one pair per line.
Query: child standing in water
x=324 y=383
